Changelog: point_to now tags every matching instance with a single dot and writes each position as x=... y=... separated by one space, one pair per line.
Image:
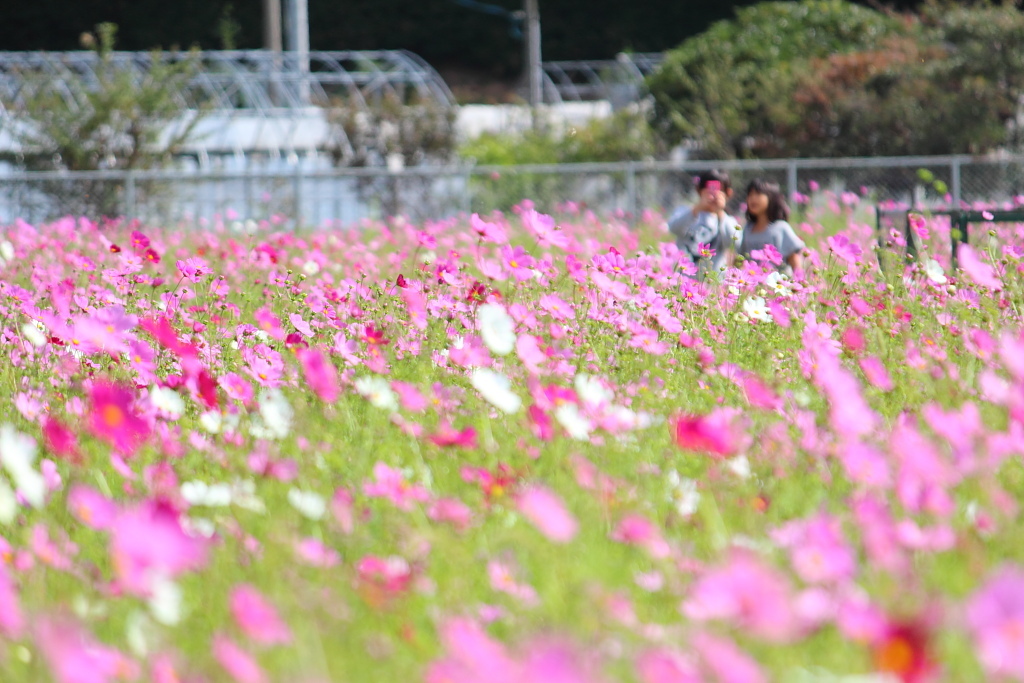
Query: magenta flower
x=702 y=434
x=548 y=513
x=257 y=617
x=390 y=483
x=113 y=420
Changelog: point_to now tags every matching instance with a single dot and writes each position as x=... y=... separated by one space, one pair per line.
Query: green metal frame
x=959 y=224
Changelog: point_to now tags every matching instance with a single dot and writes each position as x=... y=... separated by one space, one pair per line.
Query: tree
x=109 y=121
x=721 y=87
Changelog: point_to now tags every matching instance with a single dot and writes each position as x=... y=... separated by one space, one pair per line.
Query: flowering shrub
x=506 y=448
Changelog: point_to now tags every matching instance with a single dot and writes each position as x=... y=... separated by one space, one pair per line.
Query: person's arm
x=792 y=247
x=683 y=218
x=795 y=261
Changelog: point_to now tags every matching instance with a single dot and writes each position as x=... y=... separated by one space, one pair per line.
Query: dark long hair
x=777 y=210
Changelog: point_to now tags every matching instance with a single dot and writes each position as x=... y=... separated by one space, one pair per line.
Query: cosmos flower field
x=508 y=448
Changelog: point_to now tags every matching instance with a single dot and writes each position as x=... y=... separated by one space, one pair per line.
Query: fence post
x=791 y=179
x=954 y=181
x=631 y=198
x=297 y=192
x=129 y=194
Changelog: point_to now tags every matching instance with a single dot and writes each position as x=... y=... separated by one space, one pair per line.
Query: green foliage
x=719 y=87
x=832 y=79
x=110 y=122
x=624 y=136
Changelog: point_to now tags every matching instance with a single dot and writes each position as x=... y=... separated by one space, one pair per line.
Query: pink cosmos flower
x=725 y=661
x=518 y=263
x=60 y=440
x=236 y=387
x=239 y=664
x=320 y=375
x=977 y=270
x=471 y=656
x=548 y=513
x=544 y=229
x=818 y=551
x=383 y=578
x=488 y=232
x=314 y=553
x=257 y=618
x=447 y=436
x=666 y=666
x=193 y=269
x=75 y=657
x=876 y=373
x=747 y=594
x=637 y=530
x=147 y=541
x=113 y=420
x=452 y=511
x=12 y=621
x=390 y=483
x=995 y=617
x=410 y=397
x=702 y=434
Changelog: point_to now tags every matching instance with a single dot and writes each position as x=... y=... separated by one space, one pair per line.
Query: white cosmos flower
x=18 y=452
x=165 y=601
x=167 y=401
x=934 y=272
x=309 y=504
x=7 y=250
x=740 y=466
x=496 y=328
x=33 y=335
x=210 y=495
x=778 y=283
x=683 y=493
x=275 y=414
x=496 y=389
x=211 y=421
x=569 y=416
x=755 y=309
x=311 y=268
x=591 y=390
x=378 y=392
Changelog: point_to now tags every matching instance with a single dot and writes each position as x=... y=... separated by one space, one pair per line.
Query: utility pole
x=297 y=43
x=535 y=95
x=272 y=43
x=272 y=25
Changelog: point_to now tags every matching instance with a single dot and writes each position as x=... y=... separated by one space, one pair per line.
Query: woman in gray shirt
x=706 y=225
x=767 y=216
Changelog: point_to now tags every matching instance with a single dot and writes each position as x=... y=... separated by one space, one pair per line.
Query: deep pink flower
x=112 y=418
x=257 y=617
x=548 y=513
x=699 y=433
x=60 y=440
x=447 y=436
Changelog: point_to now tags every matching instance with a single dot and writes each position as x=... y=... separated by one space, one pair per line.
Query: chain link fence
x=304 y=195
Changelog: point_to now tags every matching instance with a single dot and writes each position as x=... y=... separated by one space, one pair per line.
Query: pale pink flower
x=390 y=483
x=977 y=270
x=548 y=513
x=257 y=617
x=995 y=617
x=239 y=664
